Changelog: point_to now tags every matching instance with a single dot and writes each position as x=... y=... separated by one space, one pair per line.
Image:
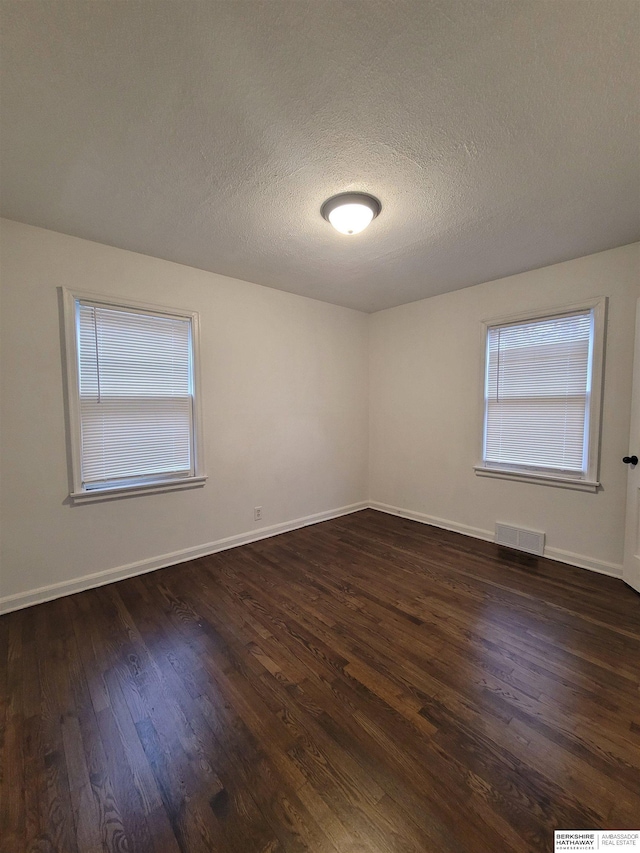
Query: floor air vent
x=523 y=540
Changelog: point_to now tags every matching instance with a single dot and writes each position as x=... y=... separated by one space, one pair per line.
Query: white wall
x=425 y=410
x=285 y=416
x=295 y=393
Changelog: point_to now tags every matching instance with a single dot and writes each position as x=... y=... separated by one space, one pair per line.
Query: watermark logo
x=573 y=840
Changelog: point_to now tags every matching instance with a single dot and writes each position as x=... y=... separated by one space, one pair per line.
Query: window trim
x=590 y=482
x=77 y=493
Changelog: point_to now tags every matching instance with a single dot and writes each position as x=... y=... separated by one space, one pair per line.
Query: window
x=542 y=384
x=131 y=382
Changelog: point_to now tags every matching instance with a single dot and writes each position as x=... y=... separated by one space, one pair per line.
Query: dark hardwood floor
x=365 y=685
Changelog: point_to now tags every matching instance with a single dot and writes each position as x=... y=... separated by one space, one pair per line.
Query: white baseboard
x=57 y=590
x=614 y=570
x=476 y=532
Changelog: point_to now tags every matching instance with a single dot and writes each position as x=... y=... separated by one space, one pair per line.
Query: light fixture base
x=353 y=201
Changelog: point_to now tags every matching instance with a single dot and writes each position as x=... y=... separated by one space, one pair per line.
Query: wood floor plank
x=365 y=685
x=12 y=738
x=57 y=823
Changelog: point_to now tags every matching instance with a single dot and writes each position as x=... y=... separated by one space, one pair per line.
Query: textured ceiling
x=500 y=135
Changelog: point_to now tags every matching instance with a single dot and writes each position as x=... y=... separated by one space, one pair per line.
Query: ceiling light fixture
x=350 y=213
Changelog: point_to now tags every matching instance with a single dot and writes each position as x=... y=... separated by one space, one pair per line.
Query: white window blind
x=537 y=394
x=136 y=396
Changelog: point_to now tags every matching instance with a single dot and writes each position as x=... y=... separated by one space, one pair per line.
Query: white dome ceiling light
x=350 y=213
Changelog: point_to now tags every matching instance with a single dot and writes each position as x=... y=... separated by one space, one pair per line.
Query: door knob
x=630 y=460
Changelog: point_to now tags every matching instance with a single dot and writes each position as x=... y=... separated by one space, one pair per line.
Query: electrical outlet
x=257 y=513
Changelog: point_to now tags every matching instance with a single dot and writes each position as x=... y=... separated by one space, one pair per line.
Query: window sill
x=94 y=495
x=540 y=479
